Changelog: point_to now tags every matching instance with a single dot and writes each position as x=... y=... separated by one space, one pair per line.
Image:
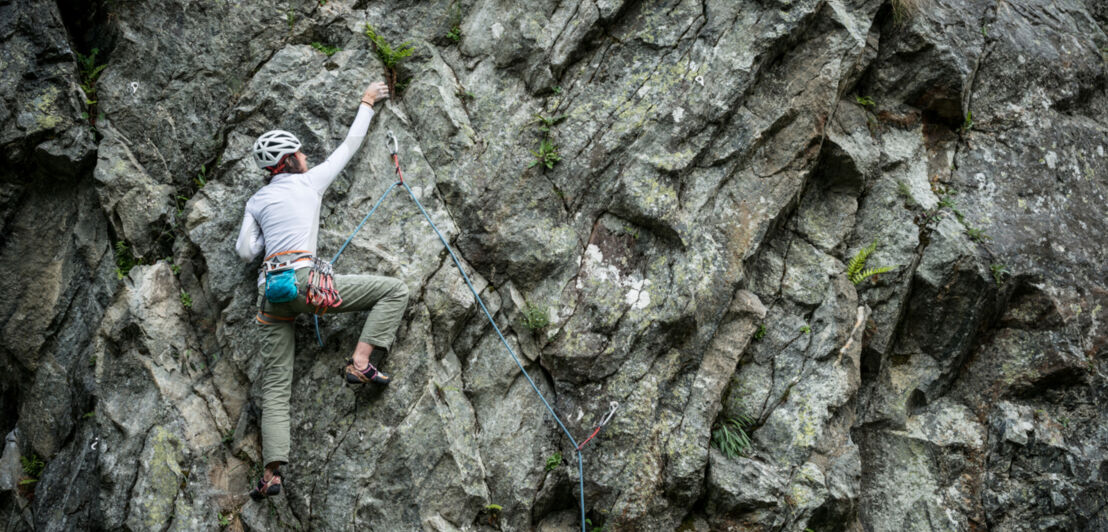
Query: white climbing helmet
x=272 y=146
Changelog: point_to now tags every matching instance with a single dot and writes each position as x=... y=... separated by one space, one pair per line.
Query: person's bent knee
x=400 y=289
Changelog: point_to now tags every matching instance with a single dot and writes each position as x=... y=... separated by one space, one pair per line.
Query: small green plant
x=761 y=332
x=324 y=49
x=592 y=528
x=977 y=235
x=229 y=437
x=730 y=436
x=186 y=299
x=535 y=317
x=290 y=17
x=201 y=178
x=864 y=101
x=557 y=89
x=856 y=270
x=89 y=415
x=493 y=511
x=1000 y=272
x=548 y=123
x=455 y=33
x=389 y=55
x=553 y=461
x=172 y=266
x=92 y=361
x=967 y=123
x=124 y=259
x=90 y=72
x=32 y=465
x=806 y=330
x=547 y=155
x=224 y=520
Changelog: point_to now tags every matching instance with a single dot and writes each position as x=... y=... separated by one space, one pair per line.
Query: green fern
x=856 y=270
x=390 y=56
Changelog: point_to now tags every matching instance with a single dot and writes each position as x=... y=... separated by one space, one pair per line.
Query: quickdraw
x=614 y=406
x=321 y=286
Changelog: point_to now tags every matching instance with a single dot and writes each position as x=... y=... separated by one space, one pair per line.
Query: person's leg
x=278 y=348
x=385 y=298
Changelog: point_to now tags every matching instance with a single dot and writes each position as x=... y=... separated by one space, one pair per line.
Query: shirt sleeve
x=251 y=241
x=320 y=177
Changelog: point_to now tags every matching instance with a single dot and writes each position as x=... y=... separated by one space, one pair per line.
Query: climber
x=282 y=218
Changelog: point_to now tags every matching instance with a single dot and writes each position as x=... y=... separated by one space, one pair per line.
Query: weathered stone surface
x=721 y=163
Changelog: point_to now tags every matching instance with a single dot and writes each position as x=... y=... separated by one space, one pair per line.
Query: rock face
x=721 y=165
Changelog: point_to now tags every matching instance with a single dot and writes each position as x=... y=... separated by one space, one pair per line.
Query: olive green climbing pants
x=384 y=297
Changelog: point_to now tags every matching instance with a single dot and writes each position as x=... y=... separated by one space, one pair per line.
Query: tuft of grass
x=1000 y=272
x=535 y=317
x=547 y=155
x=864 y=101
x=290 y=18
x=977 y=235
x=201 y=178
x=904 y=9
x=730 y=436
x=856 y=270
x=553 y=461
x=547 y=123
x=324 y=49
x=761 y=332
x=967 y=123
x=389 y=55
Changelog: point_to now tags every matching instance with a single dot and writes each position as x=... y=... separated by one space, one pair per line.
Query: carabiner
x=392 y=143
x=614 y=406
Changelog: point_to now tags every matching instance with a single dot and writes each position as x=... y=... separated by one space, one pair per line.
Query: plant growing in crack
x=535 y=317
x=547 y=155
x=730 y=435
x=761 y=332
x=324 y=49
x=390 y=56
x=967 y=123
x=864 y=101
x=856 y=270
x=553 y=461
x=1000 y=273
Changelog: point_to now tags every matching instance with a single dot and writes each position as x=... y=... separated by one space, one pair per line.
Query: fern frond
x=859 y=261
x=862 y=276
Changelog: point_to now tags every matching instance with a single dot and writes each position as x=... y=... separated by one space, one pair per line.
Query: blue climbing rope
x=458 y=264
x=577 y=447
x=319 y=337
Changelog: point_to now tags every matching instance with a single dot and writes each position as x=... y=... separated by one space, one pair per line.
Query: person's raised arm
x=321 y=176
x=251 y=241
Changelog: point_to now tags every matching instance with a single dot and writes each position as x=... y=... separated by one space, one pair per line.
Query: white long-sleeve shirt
x=284 y=215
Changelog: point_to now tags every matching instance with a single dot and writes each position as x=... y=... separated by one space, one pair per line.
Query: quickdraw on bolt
x=611 y=412
x=394 y=145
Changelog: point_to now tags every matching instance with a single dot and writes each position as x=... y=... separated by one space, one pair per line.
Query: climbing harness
x=280 y=276
x=321 y=286
x=394 y=147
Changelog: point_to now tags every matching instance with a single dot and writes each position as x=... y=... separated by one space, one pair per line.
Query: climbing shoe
x=267 y=489
x=362 y=376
